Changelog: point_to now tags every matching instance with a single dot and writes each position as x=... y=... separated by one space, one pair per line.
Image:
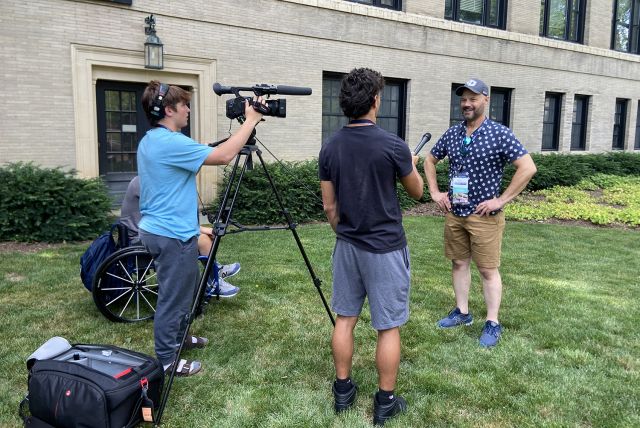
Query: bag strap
x=144 y=400
x=133 y=421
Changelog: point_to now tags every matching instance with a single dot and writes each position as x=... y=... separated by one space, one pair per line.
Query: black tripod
x=220 y=225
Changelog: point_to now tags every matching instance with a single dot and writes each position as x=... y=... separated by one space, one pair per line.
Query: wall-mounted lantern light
x=153 y=47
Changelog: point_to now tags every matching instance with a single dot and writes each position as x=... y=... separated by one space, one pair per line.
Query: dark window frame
x=501 y=15
x=570 y=20
x=389 y=81
x=454 y=106
x=620 y=124
x=557 y=115
x=397 y=4
x=579 y=124
x=636 y=146
x=506 y=106
x=633 y=29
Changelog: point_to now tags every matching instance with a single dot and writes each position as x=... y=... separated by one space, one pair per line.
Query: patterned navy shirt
x=492 y=146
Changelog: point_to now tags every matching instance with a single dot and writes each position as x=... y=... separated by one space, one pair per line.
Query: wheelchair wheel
x=125 y=288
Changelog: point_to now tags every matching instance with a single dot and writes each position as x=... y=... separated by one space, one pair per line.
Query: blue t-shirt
x=363 y=163
x=492 y=146
x=167 y=166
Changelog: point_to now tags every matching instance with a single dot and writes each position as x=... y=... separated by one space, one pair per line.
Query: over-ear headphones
x=157 y=109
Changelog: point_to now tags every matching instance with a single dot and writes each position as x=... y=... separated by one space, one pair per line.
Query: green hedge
x=50 y=205
x=569 y=170
x=299 y=185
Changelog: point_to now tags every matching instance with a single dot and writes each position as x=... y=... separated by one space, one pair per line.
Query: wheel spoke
x=146 y=269
x=148 y=303
x=153 y=275
x=125 y=270
x=125 y=306
x=149 y=290
x=117 y=298
x=130 y=281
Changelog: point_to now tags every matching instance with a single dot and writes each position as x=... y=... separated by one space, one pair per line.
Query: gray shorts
x=384 y=278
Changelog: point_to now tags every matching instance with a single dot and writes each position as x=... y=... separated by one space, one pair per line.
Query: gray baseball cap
x=474 y=85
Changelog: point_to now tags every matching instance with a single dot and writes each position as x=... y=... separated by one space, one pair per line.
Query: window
x=619 y=124
x=392 y=110
x=332 y=116
x=489 y=13
x=562 y=19
x=551 y=121
x=626 y=26
x=500 y=105
x=637 y=144
x=579 y=123
x=387 y=4
x=455 y=115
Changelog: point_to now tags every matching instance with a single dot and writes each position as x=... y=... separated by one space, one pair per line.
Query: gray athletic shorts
x=384 y=278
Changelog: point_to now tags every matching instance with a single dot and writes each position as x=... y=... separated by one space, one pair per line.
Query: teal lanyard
x=465 y=149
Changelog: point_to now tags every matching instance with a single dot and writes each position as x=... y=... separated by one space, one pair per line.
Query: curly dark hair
x=358 y=91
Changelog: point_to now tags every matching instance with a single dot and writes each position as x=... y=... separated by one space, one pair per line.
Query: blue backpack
x=99 y=251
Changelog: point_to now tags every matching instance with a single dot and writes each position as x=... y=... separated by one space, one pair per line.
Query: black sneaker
x=344 y=400
x=382 y=412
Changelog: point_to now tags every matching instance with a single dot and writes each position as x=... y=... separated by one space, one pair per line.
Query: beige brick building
x=71 y=69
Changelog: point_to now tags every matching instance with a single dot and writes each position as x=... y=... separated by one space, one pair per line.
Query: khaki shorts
x=475 y=236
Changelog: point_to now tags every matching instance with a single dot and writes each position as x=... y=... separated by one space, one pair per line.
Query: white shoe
x=224 y=290
x=225 y=271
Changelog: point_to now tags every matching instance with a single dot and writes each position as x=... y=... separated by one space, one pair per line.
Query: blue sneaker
x=222 y=288
x=226 y=271
x=490 y=334
x=455 y=318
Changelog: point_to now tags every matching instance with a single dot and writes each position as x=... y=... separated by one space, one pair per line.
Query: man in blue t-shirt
x=478 y=150
x=168 y=162
x=358 y=168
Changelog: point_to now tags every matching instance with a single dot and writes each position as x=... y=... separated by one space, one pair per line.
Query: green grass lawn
x=570 y=354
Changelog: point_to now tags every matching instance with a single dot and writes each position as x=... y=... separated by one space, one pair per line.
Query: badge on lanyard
x=460 y=181
x=460 y=189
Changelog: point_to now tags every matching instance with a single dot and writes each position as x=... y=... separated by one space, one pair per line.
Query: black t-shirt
x=363 y=163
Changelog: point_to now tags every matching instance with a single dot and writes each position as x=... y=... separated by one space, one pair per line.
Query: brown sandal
x=185 y=368
x=195 y=342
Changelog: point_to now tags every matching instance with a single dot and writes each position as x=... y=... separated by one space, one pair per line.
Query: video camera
x=276 y=108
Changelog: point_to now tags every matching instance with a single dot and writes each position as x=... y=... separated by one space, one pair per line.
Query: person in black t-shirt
x=358 y=169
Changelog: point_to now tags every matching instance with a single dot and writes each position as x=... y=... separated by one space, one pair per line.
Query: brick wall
x=292 y=42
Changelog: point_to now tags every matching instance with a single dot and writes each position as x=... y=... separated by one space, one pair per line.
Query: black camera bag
x=97 y=386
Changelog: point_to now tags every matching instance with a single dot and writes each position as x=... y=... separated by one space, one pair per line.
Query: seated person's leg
x=217 y=285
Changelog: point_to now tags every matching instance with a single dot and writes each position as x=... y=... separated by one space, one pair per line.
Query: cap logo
x=471 y=83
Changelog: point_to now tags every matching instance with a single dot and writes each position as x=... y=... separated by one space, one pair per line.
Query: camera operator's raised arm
x=225 y=152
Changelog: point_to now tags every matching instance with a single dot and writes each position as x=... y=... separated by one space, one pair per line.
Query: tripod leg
x=220 y=229
x=292 y=227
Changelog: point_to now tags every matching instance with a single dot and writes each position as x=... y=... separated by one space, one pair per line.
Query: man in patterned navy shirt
x=478 y=150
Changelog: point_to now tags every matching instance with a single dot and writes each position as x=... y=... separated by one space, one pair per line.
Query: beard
x=472 y=114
